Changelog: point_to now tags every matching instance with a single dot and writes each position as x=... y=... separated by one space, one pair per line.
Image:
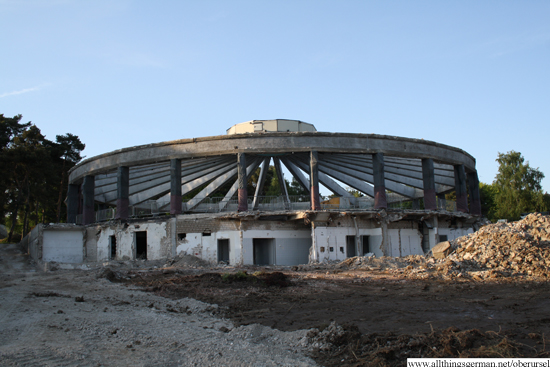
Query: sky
x=119 y=73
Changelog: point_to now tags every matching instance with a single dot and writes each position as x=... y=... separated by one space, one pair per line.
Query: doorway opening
x=350 y=246
x=112 y=244
x=264 y=251
x=366 y=245
x=141 y=245
x=223 y=251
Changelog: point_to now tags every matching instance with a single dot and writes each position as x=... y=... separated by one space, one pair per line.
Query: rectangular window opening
x=181 y=236
x=443 y=238
x=141 y=245
x=263 y=251
x=112 y=244
x=350 y=246
x=366 y=245
x=223 y=251
x=331 y=249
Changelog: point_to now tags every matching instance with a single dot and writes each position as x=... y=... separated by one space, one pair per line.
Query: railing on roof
x=105 y=214
x=276 y=203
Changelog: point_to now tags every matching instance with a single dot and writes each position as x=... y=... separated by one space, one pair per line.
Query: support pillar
x=175 y=186
x=473 y=186
x=428 y=177
x=314 y=180
x=460 y=188
x=260 y=183
x=123 y=192
x=380 y=201
x=243 y=195
x=72 y=203
x=88 y=213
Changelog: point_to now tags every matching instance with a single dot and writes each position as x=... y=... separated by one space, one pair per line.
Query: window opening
x=366 y=244
x=223 y=251
x=112 y=240
x=141 y=245
x=264 y=251
x=350 y=246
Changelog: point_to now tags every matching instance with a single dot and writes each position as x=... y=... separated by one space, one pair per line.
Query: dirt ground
x=374 y=304
x=151 y=315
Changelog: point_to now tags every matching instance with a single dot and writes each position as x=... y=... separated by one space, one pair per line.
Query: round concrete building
x=160 y=200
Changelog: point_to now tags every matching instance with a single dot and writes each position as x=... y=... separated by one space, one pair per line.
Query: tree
x=33 y=172
x=518 y=187
x=9 y=128
x=68 y=147
x=487 y=194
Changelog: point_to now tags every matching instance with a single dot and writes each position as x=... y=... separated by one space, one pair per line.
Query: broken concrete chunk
x=441 y=250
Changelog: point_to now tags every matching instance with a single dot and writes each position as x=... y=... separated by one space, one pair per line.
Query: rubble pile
x=518 y=248
x=497 y=250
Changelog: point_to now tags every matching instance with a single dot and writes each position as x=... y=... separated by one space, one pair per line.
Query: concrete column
x=385 y=245
x=380 y=201
x=260 y=183
x=442 y=201
x=123 y=192
x=72 y=203
x=428 y=177
x=460 y=188
x=88 y=213
x=473 y=186
x=314 y=180
x=175 y=186
x=243 y=195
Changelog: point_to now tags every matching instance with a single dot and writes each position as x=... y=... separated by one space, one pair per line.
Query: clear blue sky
x=471 y=74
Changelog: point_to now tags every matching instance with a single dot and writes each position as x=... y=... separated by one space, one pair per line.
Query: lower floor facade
x=283 y=239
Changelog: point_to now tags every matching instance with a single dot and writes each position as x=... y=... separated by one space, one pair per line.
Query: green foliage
x=517 y=187
x=33 y=174
x=355 y=193
x=487 y=193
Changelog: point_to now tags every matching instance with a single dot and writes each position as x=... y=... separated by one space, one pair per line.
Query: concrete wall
x=326 y=238
x=159 y=240
x=291 y=246
x=206 y=247
x=454 y=233
x=404 y=242
x=63 y=246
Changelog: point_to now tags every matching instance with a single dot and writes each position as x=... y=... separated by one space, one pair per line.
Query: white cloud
x=22 y=91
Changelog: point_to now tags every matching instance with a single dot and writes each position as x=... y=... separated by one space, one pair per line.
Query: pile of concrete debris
x=520 y=248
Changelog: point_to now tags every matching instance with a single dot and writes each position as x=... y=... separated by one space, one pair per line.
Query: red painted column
x=314 y=180
x=460 y=189
x=475 y=201
x=175 y=186
x=123 y=192
x=380 y=201
x=72 y=203
x=243 y=194
x=428 y=177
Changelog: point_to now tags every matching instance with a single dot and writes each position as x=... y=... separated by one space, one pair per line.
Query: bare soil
x=404 y=317
x=184 y=314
